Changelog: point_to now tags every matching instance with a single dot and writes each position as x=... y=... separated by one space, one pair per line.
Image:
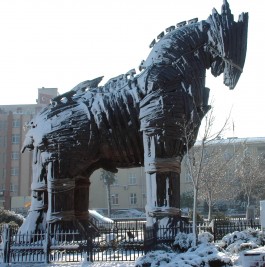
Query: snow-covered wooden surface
x=132 y=120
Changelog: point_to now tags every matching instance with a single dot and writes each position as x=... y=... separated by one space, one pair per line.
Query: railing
x=124 y=224
x=112 y=244
x=224 y=227
x=125 y=241
x=44 y=247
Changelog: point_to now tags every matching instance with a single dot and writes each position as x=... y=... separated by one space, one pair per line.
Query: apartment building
x=228 y=155
x=128 y=190
x=15 y=168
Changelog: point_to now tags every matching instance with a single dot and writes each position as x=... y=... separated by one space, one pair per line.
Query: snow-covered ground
x=229 y=252
x=96 y=264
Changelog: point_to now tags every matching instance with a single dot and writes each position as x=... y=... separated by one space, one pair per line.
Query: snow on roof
x=235 y=140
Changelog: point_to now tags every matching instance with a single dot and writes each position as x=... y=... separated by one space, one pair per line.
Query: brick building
x=15 y=169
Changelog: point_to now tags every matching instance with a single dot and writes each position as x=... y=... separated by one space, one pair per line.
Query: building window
x=3 y=172
x=19 y=111
x=14 y=155
x=3 y=124
x=14 y=172
x=115 y=199
x=29 y=112
x=15 y=138
x=3 y=158
x=13 y=188
x=16 y=123
x=2 y=189
x=3 y=141
x=116 y=181
x=132 y=179
x=133 y=199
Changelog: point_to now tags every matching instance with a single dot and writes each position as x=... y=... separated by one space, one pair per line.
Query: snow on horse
x=133 y=120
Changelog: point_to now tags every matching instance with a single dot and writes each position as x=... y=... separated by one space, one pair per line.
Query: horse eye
x=205 y=27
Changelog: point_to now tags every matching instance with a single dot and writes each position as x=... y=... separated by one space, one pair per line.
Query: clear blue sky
x=59 y=43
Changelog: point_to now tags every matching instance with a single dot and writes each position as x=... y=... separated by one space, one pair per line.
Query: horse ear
x=227 y=19
x=226 y=4
x=226 y=13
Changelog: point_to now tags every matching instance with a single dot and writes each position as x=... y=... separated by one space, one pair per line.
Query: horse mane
x=172 y=28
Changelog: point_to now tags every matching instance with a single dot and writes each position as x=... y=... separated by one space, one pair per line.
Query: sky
x=64 y=42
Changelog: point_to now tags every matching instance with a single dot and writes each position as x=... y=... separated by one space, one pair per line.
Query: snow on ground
x=96 y=264
x=228 y=252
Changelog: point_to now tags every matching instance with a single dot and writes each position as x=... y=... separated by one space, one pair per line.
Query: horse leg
x=61 y=213
x=82 y=202
x=162 y=179
x=36 y=218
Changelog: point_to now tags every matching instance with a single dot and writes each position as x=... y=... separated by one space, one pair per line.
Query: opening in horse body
x=133 y=120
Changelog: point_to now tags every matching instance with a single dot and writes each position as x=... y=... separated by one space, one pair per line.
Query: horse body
x=107 y=117
x=133 y=120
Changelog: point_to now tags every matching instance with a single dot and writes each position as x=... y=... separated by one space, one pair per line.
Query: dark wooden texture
x=133 y=120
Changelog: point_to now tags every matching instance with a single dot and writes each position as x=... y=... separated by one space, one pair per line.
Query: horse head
x=227 y=44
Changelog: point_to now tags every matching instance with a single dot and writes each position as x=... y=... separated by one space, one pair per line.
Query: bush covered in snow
x=10 y=217
x=183 y=241
x=183 y=254
x=206 y=253
x=239 y=241
x=202 y=255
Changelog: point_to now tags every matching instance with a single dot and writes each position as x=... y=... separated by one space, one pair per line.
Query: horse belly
x=123 y=147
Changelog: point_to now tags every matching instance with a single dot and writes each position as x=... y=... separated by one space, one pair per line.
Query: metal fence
x=220 y=228
x=125 y=241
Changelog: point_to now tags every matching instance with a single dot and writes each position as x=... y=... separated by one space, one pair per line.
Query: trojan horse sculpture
x=133 y=120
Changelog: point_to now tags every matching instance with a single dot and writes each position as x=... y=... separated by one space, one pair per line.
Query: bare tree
x=250 y=173
x=216 y=181
x=108 y=179
x=195 y=162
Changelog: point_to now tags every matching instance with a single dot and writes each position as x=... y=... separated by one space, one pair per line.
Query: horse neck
x=179 y=43
x=178 y=62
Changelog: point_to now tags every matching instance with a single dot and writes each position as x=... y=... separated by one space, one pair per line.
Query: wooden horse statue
x=132 y=120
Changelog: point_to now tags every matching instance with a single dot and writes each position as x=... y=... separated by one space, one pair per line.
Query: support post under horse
x=162 y=181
